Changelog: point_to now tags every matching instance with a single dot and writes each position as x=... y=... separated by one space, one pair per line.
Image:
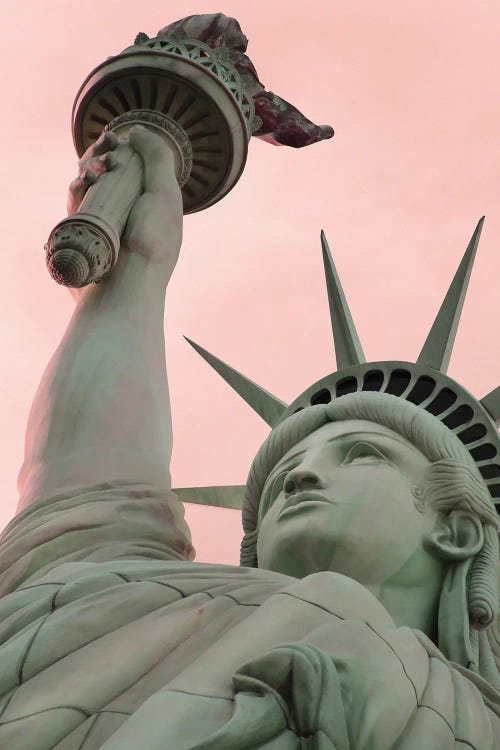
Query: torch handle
x=84 y=247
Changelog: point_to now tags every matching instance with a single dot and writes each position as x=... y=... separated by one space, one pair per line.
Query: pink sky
x=412 y=91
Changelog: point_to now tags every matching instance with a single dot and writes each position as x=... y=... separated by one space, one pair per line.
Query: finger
x=82 y=183
x=75 y=195
x=157 y=157
x=78 y=187
x=108 y=141
x=98 y=164
x=110 y=160
x=88 y=178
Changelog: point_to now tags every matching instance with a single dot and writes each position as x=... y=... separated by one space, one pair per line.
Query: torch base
x=183 y=90
x=165 y=127
x=81 y=250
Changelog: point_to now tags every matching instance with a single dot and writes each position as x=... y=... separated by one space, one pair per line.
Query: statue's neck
x=413 y=602
x=408 y=607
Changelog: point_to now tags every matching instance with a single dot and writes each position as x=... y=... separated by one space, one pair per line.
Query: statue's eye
x=277 y=485
x=272 y=491
x=363 y=453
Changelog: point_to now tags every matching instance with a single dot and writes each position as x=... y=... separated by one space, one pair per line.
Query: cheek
x=376 y=491
x=273 y=536
x=266 y=529
x=262 y=539
x=392 y=521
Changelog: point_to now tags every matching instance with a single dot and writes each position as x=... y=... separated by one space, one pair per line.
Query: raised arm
x=102 y=409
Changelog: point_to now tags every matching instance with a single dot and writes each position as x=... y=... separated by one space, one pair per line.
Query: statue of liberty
x=364 y=614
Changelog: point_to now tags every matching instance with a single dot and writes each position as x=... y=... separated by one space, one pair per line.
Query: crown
x=424 y=382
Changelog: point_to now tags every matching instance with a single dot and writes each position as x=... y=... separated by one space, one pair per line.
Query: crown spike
x=436 y=351
x=221 y=496
x=491 y=403
x=348 y=349
x=264 y=403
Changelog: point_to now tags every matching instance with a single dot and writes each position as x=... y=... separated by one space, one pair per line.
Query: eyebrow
x=338 y=437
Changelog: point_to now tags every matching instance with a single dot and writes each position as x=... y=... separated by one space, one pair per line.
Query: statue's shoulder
x=341 y=596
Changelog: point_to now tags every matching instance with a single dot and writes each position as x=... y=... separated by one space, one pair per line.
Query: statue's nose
x=299 y=480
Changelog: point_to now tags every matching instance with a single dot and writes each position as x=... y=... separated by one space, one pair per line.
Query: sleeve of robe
x=110 y=521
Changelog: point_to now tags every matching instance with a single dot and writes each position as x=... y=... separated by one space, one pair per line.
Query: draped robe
x=110 y=639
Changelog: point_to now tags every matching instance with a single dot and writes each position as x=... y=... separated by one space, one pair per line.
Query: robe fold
x=110 y=639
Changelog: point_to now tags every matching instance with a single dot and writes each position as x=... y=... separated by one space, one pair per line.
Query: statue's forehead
x=360 y=429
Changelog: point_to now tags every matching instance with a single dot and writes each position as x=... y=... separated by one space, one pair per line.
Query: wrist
x=134 y=281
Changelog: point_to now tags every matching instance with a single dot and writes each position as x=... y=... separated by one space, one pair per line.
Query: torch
x=204 y=99
x=192 y=96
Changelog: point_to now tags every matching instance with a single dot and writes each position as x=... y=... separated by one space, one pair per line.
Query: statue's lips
x=302 y=498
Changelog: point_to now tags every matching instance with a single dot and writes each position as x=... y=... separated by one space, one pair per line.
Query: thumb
x=157 y=157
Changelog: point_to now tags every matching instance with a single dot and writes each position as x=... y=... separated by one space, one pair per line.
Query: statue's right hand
x=153 y=228
x=96 y=160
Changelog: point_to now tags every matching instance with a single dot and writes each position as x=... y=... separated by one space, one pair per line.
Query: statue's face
x=343 y=499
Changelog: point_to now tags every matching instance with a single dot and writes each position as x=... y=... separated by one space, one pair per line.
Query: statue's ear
x=457 y=535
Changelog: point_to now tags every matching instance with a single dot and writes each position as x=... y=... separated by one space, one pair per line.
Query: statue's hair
x=453 y=480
